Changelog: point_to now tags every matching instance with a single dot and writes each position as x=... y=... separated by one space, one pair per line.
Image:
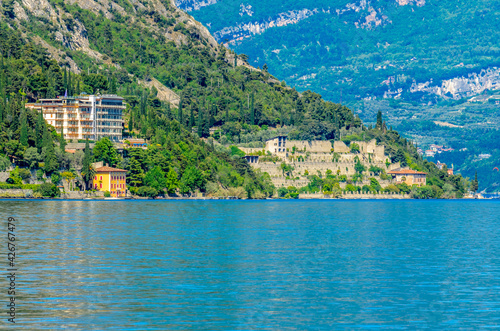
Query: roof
x=406 y=172
x=109 y=169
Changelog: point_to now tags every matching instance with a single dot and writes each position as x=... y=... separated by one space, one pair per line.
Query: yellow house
x=408 y=176
x=112 y=180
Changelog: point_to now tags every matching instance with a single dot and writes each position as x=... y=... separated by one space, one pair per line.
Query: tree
x=475 y=184
x=88 y=171
x=39 y=131
x=135 y=173
x=359 y=167
x=32 y=157
x=146 y=191
x=23 y=139
x=62 y=141
x=252 y=110
x=68 y=176
x=172 y=182
x=4 y=163
x=155 y=178
x=180 y=111
x=191 y=180
x=105 y=152
x=354 y=148
x=379 y=120
x=47 y=190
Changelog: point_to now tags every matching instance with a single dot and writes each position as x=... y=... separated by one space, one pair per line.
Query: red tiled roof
x=406 y=172
x=109 y=169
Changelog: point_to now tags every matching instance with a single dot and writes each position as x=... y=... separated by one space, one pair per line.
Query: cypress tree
x=242 y=112
x=379 y=120
x=39 y=127
x=46 y=139
x=24 y=129
x=206 y=128
x=78 y=89
x=50 y=160
x=191 y=119
x=62 y=141
x=65 y=79
x=112 y=88
x=70 y=84
x=180 y=111
x=200 y=123
x=87 y=170
x=252 y=110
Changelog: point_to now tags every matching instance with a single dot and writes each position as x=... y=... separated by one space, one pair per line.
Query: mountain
x=420 y=62
x=365 y=49
x=179 y=85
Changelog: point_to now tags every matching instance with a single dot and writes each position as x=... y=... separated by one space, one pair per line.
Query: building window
x=100 y=186
x=101 y=178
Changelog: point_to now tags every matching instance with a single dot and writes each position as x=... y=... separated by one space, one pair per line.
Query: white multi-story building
x=84 y=116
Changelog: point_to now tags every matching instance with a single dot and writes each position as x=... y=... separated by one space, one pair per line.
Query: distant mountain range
x=412 y=49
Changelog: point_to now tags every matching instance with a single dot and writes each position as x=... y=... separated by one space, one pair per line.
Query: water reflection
x=233 y=265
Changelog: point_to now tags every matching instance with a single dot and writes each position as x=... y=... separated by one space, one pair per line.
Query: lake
x=254 y=265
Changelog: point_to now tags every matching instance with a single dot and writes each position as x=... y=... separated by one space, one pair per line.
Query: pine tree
x=24 y=130
x=227 y=115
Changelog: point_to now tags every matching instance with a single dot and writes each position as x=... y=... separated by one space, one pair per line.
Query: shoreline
x=229 y=199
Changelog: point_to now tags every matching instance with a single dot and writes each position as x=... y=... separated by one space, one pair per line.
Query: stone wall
x=316 y=146
x=340 y=147
x=248 y=150
x=356 y=196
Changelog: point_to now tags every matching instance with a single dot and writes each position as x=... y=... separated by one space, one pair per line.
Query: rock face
x=244 y=30
x=73 y=35
x=460 y=87
x=190 y=5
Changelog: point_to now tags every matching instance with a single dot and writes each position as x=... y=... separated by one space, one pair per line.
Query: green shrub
x=146 y=191
x=47 y=190
x=14 y=177
x=24 y=174
x=107 y=194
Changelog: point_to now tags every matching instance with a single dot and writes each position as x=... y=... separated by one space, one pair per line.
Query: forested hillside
x=419 y=62
x=178 y=83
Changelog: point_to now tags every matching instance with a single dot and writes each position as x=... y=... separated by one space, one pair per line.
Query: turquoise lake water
x=255 y=265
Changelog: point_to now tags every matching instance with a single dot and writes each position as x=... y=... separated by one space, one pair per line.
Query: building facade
x=408 y=176
x=112 y=180
x=84 y=116
x=276 y=145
